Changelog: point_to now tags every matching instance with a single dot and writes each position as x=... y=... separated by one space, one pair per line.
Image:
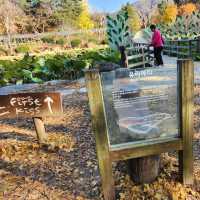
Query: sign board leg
x=40 y=129
x=144 y=169
x=100 y=131
x=186 y=93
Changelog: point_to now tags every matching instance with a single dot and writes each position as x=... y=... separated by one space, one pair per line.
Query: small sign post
x=31 y=105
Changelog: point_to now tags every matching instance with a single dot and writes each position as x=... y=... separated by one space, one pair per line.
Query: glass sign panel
x=140 y=104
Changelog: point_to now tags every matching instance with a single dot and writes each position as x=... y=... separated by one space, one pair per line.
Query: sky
x=107 y=5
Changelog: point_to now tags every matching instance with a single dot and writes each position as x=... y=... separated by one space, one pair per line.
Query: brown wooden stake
x=97 y=109
x=186 y=93
x=40 y=130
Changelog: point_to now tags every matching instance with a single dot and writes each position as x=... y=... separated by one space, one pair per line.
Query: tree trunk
x=8 y=32
x=124 y=60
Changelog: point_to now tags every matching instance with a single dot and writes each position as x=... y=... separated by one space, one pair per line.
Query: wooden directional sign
x=30 y=105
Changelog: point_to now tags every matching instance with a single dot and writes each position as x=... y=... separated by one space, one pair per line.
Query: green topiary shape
x=118 y=30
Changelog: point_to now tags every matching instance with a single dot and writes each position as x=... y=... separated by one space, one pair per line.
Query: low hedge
x=51 y=67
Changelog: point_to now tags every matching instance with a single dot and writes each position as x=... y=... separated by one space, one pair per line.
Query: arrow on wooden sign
x=49 y=101
x=30 y=105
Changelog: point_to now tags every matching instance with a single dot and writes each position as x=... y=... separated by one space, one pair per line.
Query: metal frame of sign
x=107 y=154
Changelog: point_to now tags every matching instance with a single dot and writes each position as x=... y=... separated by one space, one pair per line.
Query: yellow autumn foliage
x=169 y=14
x=187 y=9
x=84 y=20
x=134 y=20
x=156 y=18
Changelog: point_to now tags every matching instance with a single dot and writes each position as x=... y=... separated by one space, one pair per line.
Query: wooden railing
x=37 y=37
x=182 y=48
x=139 y=55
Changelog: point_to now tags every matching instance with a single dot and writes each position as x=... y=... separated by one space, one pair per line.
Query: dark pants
x=158 y=55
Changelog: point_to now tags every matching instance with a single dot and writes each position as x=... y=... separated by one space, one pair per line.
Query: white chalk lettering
x=13 y=101
x=24 y=101
x=37 y=102
x=30 y=101
x=19 y=101
x=19 y=110
x=4 y=113
x=37 y=110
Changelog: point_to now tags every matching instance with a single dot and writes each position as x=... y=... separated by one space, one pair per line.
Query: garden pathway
x=171 y=62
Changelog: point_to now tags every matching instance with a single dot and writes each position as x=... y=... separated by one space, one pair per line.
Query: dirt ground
x=67 y=169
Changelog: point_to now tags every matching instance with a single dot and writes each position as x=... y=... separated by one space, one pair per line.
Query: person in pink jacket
x=157 y=42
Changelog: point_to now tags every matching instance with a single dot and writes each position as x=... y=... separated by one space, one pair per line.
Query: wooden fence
x=182 y=48
x=37 y=37
x=139 y=55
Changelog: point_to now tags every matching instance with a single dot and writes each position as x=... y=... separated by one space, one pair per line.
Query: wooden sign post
x=186 y=96
x=31 y=105
x=182 y=143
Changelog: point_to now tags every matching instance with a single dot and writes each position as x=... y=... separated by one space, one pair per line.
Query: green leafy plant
x=49 y=39
x=28 y=77
x=23 y=48
x=60 y=41
x=75 y=43
x=50 y=67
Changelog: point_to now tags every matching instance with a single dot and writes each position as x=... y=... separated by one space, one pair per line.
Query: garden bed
x=67 y=65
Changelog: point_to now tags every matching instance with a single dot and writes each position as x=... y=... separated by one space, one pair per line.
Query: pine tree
x=67 y=11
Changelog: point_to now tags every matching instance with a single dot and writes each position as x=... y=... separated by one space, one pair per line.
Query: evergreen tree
x=40 y=13
x=67 y=11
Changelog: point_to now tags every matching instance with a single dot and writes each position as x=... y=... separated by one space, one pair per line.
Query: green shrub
x=23 y=48
x=76 y=43
x=104 y=41
x=50 y=67
x=60 y=41
x=93 y=40
x=48 y=39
